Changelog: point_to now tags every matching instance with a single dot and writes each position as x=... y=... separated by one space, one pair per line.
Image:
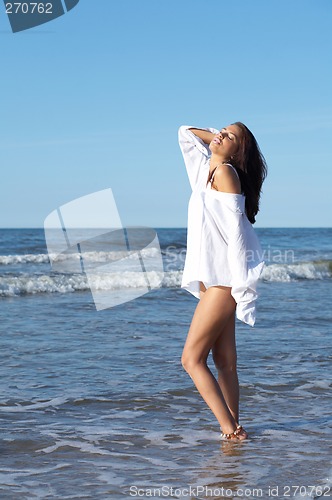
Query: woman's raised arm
x=203 y=134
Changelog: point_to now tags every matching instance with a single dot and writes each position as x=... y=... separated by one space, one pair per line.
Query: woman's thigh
x=211 y=315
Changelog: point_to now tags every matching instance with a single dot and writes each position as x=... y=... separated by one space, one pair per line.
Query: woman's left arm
x=194 y=150
x=205 y=135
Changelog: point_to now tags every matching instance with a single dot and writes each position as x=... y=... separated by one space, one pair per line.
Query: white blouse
x=222 y=246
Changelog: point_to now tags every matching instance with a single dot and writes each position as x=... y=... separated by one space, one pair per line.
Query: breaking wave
x=22 y=284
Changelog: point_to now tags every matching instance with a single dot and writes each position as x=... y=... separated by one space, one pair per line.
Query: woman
x=226 y=170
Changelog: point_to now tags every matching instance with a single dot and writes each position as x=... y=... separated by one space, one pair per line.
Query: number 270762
x=29 y=8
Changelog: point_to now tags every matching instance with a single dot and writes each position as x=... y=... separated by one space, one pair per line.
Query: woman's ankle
x=231 y=429
x=238 y=434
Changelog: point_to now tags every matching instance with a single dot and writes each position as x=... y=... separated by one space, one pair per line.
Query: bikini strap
x=211 y=180
x=234 y=170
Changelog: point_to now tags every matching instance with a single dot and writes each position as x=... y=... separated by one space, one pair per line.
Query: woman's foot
x=238 y=434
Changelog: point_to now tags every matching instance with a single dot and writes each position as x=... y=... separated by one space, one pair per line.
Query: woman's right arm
x=203 y=134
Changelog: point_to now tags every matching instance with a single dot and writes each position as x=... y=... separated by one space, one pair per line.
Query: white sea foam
x=275 y=272
x=317 y=384
x=95 y=256
x=314 y=270
x=31 y=284
x=55 y=402
x=82 y=445
x=68 y=283
x=24 y=259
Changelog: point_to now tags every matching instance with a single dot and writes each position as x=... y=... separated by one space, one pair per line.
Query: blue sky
x=94 y=100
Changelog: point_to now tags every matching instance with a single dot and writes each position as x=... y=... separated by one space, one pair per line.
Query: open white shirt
x=222 y=246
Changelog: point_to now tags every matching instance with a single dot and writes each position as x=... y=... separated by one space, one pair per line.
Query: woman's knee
x=190 y=362
x=187 y=363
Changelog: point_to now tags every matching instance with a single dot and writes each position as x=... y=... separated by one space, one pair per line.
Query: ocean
x=96 y=405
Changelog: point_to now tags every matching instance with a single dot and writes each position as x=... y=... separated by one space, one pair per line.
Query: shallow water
x=95 y=405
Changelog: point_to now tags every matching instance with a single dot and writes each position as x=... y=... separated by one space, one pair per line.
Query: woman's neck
x=216 y=160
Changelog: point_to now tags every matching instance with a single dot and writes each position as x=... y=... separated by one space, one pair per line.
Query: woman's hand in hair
x=205 y=135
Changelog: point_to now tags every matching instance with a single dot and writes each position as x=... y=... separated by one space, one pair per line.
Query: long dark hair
x=251 y=166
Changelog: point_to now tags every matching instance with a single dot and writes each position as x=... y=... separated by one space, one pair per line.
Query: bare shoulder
x=225 y=179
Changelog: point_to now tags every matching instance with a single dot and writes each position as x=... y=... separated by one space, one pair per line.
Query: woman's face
x=226 y=142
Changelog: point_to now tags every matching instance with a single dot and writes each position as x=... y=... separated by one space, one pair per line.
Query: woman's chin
x=216 y=149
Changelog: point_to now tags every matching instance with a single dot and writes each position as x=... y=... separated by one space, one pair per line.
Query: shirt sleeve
x=195 y=152
x=244 y=274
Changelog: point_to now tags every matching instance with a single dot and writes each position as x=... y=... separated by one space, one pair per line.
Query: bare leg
x=211 y=316
x=224 y=357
